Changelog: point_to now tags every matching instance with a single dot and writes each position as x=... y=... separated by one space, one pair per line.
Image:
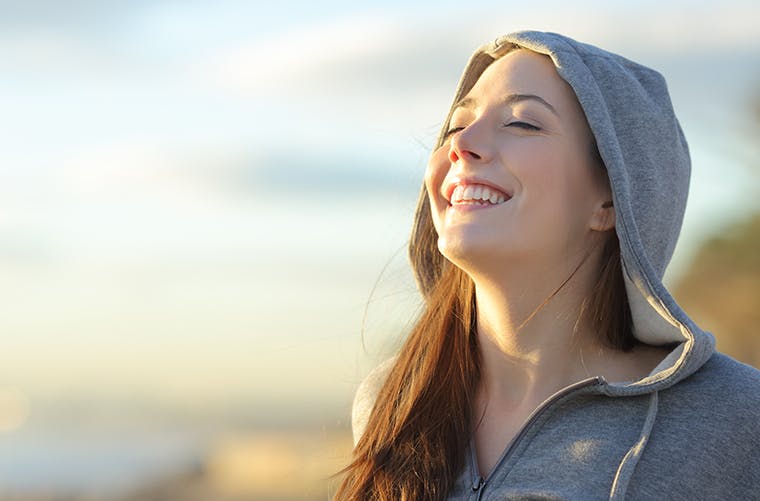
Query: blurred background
x=204 y=208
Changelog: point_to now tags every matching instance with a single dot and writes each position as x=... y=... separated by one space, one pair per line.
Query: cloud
x=266 y=64
x=398 y=73
x=49 y=52
x=388 y=50
x=121 y=167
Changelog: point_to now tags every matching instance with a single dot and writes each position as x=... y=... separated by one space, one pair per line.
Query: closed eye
x=452 y=131
x=522 y=125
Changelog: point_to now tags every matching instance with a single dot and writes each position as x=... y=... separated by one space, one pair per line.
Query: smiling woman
x=536 y=157
x=550 y=210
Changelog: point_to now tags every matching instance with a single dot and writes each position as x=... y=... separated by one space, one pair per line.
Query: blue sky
x=197 y=197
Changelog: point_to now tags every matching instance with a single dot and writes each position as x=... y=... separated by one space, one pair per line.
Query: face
x=515 y=180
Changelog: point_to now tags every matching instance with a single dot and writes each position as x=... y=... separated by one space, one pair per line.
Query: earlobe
x=603 y=218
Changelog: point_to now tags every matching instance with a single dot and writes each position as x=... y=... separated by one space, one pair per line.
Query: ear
x=603 y=217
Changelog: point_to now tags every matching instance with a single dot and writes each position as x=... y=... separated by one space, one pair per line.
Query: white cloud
x=155 y=170
x=120 y=167
x=266 y=64
x=399 y=73
x=298 y=58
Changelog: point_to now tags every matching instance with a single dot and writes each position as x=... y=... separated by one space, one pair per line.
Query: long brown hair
x=413 y=446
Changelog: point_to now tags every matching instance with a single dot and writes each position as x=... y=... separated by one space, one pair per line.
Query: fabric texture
x=689 y=430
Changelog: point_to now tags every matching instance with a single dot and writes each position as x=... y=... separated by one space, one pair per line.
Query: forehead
x=525 y=72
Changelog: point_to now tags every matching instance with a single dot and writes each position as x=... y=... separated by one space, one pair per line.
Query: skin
x=538 y=152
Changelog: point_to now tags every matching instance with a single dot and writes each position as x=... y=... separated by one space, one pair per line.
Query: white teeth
x=457 y=194
x=476 y=194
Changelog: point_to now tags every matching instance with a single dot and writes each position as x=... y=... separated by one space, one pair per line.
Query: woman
x=550 y=362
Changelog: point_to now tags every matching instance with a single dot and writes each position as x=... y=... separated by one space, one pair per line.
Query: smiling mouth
x=477 y=194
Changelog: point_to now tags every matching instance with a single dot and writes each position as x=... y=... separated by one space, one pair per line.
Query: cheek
x=543 y=178
x=560 y=176
x=568 y=201
x=556 y=194
x=435 y=173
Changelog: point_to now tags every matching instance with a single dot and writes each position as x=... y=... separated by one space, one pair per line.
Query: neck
x=531 y=347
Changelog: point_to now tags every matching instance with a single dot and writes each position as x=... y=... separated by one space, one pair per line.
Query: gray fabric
x=690 y=429
x=701 y=444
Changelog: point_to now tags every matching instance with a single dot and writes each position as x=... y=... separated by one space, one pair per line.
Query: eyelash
x=521 y=125
x=452 y=131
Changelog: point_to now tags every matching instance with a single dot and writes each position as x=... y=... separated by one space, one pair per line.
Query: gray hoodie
x=690 y=429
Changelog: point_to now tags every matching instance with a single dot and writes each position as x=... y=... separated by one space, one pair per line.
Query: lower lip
x=472 y=207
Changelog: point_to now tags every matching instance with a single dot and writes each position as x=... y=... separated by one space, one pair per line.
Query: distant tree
x=721 y=290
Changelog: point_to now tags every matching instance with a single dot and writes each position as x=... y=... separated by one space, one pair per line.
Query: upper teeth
x=476 y=193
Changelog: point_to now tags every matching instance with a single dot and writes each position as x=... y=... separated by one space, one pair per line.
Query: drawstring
x=631 y=459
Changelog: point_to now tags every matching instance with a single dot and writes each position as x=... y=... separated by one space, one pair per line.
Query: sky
x=198 y=198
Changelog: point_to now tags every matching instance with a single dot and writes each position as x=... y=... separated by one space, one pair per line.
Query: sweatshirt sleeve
x=366 y=394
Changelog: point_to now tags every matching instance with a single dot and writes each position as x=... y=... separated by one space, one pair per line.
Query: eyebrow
x=509 y=99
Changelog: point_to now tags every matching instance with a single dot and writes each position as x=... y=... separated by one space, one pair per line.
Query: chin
x=472 y=253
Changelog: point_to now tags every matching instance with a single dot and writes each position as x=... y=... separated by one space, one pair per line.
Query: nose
x=468 y=145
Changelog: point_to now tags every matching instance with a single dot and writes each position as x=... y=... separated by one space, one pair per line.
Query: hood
x=629 y=111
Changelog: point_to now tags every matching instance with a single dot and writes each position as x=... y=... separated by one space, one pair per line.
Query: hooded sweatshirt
x=690 y=429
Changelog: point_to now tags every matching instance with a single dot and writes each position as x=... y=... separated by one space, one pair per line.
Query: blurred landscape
x=205 y=207
x=292 y=465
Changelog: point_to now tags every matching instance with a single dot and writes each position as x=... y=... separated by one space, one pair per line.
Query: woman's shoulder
x=722 y=387
x=706 y=436
x=722 y=372
x=366 y=394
